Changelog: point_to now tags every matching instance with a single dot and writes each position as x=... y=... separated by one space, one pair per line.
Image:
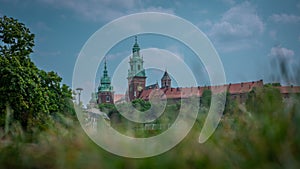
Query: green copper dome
x=105 y=81
x=136 y=47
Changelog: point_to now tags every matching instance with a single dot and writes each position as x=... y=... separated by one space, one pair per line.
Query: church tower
x=165 y=80
x=105 y=90
x=136 y=73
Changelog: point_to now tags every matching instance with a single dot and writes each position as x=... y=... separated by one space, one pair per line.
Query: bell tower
x=105 y=90
x=136 y=73
x=165 y=80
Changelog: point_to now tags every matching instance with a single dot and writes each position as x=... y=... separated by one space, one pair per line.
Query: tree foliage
x=206 y=98
x=141 y=104
x=108 y=108
x=33 y=94
x=231 y=105
x=267 y=99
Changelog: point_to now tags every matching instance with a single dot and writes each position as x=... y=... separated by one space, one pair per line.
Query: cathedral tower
x=136 y=73
x=105 y=90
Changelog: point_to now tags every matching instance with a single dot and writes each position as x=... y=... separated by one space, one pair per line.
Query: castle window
x=107 y=99
x=139 y=67
x=131 y=67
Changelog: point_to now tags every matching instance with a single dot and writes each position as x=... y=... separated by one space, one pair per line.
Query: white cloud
x=285 y=18
x=273 y=34
x=103 y=10
x=205 y=24
x=281 y=53
x=240 y=24
x=176 y=50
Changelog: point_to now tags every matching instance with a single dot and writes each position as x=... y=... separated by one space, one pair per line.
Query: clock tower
x=136 y=73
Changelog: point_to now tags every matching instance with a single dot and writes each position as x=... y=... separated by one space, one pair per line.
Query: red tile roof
x=176 y=93
x=236 y=88
x=118 y=97
x=244 y=87
x=289 y=89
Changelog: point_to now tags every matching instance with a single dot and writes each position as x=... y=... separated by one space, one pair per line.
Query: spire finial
x=105 y=74
x=105 y=63
x=135 y=38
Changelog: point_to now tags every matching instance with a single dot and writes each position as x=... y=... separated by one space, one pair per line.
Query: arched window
x=107 y=99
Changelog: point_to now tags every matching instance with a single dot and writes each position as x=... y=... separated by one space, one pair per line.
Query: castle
x=137 y=88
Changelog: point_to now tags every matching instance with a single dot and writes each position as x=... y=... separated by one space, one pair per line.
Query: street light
x=79 y=92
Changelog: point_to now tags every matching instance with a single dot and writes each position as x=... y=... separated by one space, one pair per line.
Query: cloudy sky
x=251 y=37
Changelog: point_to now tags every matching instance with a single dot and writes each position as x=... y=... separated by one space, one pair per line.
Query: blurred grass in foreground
x=267 y=138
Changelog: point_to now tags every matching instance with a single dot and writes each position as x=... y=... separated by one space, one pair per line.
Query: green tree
x=231 y=105
x=267 y=99
x=108 y=108
x=31 y=93
x=206 y=98
x=141 y=104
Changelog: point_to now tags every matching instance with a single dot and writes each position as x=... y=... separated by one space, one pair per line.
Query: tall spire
x=105 y=84
x=105 y=74
x=105 y=89
x=136 y=48
x=136 y=61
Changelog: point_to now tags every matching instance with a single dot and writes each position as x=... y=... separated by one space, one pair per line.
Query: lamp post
x=79 y=92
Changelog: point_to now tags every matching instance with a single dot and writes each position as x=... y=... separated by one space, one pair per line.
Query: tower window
x=107 y=99
x=131 y=67
x=139 y=67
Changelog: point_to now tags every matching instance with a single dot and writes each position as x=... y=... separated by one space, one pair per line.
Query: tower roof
x=166 y=76
x=136 y=62
x=105 y=80
x=136 y=47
